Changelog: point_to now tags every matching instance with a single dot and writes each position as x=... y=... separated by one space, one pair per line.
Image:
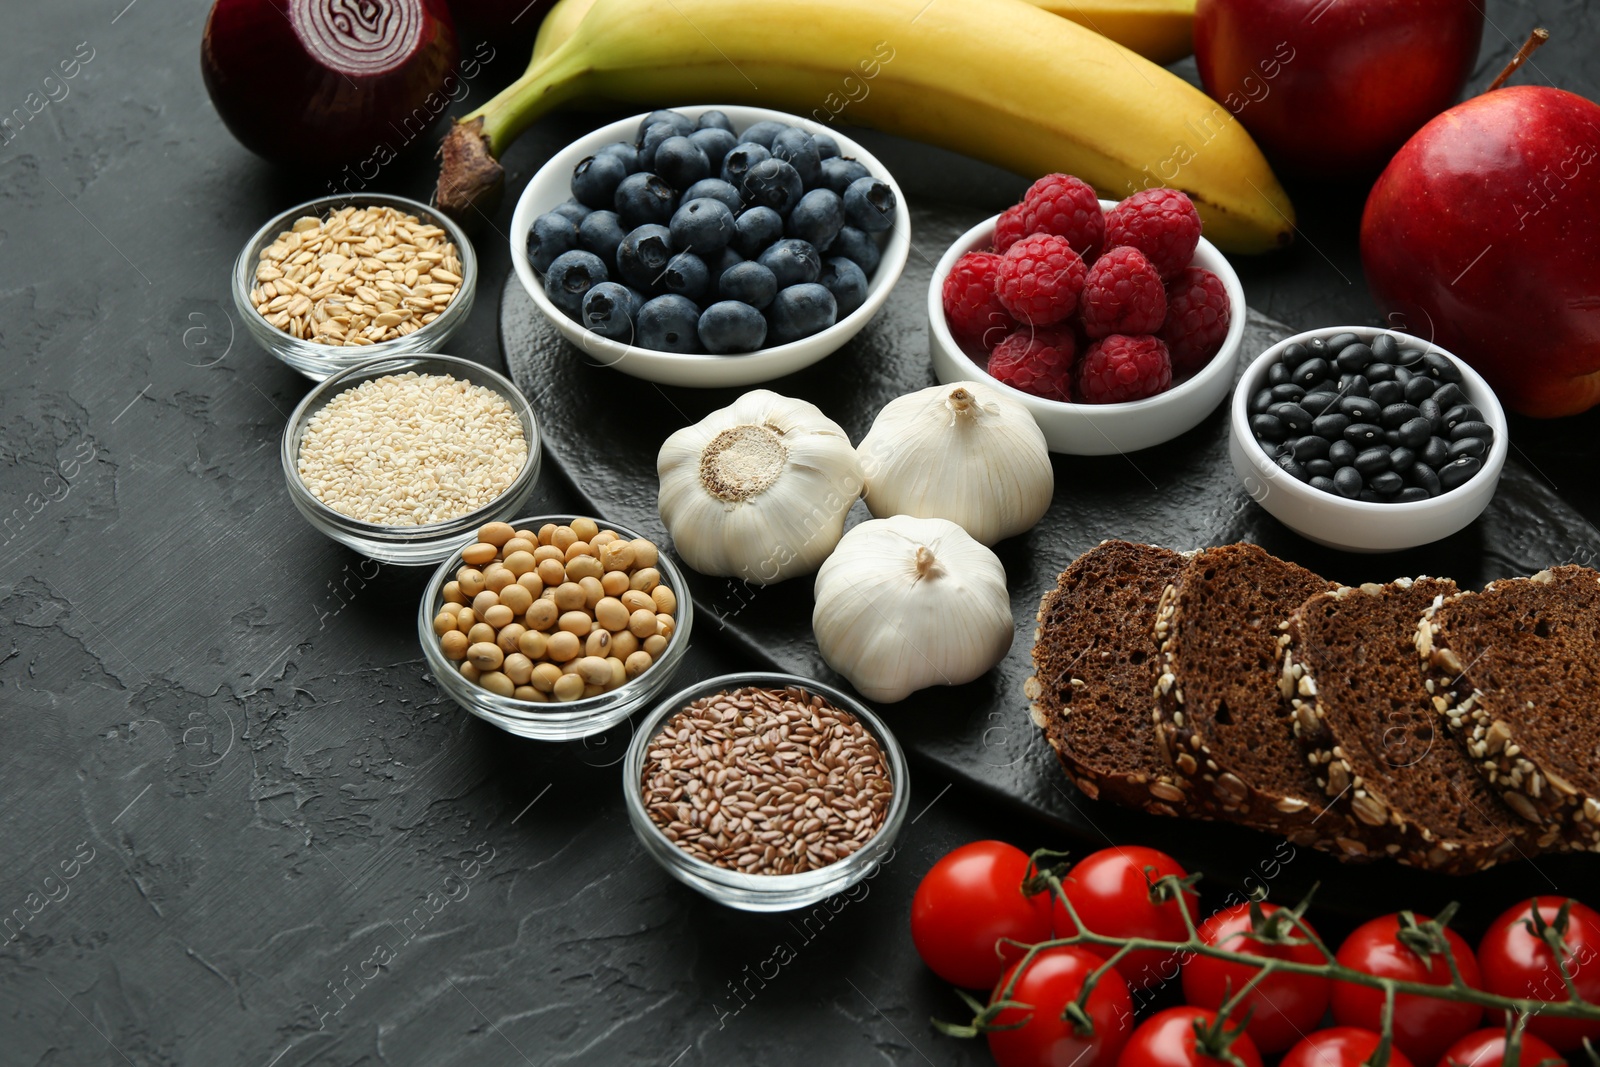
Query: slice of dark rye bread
x=1094 y=658
x=1516 y=669
x=1374 y=741
x=1218 y=709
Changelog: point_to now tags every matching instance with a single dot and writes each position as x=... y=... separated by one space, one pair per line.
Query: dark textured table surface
x=286 y=846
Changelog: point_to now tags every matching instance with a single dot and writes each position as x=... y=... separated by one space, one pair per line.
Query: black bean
x=1419 y=388
x=1295 y=419
x=1310 y=447
x=1379 y=372
x=1320 y=468
x=1466 y=446
x=1461 y=413
x=1277 y=374
x=1394 y=416
x=1386 y=393
x=1267 y=427
x=1311 y=372
x=1319 y=402
x=1363 y=433
x=1436 y=452
x=1360 y=408
x=1354 y=385
x=1471 y=429
x=1423 y=476
x=1372 y=461
x=1294 y=355
x=1411 y=494
x=1458 y=471
x=1449 y=395
x=1325 y=484
x=1342 y=453
x=1291 y=466
x=1353 y=357
x=1340 y=341
x=1388 y=483
x=1430 y=411
x=1331 y=426
x=1261 y=401
x=1347 y=480
x=1441 y=367
x=1401 y=458
x=1371 y=496
x=1290 y=392
x=1414 y=433
x=1403 y=376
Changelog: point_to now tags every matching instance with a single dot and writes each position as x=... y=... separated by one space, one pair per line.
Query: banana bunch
x=1001 y=80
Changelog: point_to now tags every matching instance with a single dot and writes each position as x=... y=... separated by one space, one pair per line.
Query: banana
x=1159 y=30
x=1000 y=80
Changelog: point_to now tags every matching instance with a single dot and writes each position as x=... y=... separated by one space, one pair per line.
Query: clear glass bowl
x=575 y=718
x=319 y=361
x=756 y=892
x=408 y=545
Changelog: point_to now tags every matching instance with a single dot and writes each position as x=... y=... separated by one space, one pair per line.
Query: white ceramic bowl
x=552 y=185
x=1097 y=429
x=1362 y=525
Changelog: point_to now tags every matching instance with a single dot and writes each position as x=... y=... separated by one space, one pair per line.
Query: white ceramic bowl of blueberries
x=710 y=246
x=1367 y=440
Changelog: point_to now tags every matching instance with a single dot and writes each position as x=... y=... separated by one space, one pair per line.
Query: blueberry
x=1293 y=355
x=800 y=311
x=571 y=275
x=1441 y=367
x=797 y=148
x=1311 y=447
x=827 y=147
x=548 y=237
x=687 y=275
x=595 y=180
x=601 y=232
x=818 y=217
x=608 y=310
x=775 y=184
x=792 y=261
x=715 y=144
x=622 y=150
x=1342 y=453
x=857 y=245
x=570 y=209
x=1267 y=428
x=869 y=204
x=838 y=173
x=723 y=262
x=715 y=189
x=669 y=324
x=1458 y=472
x=1294 y=417
x=1353 y=357
x=653 y=139
x=680 y=124
x=1471 y=429
x=1436 y=452
x=737 y=163
x=756 y=229
x=1372 y=461
x=1347 y=481
x=681 y=163
x=749 y=283
x=1387 y=392
x=643 y=255
x=713 y=120
x=1419 y=388
x=644 y=198
x=846 y=281
x=732 y=326
x=763 y=132
x=1414 y=433
x=702 y=226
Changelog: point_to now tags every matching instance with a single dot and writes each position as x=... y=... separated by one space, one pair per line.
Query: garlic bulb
x=759 y=489
x=904 y=603
x=961 y=452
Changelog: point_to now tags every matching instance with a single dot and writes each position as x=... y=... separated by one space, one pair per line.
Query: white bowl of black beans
x=1367 y=440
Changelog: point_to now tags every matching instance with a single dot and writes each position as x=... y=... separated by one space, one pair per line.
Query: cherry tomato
x=1168 y=1039
x=1110 y=890
x=1517 y=963
x=1283 y=1007
x=1423 y=1026
x=1487 y=1048
x=1341 y=1046
x=969 y=900
x=1052 y=980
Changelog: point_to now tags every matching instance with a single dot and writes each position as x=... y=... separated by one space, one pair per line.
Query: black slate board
x=603 y=428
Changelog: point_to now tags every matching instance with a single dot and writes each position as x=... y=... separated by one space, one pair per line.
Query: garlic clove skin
x=759 y=489
x=905 y=602
x=962 y=452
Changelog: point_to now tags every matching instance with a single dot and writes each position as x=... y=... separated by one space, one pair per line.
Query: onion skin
x=321 y=83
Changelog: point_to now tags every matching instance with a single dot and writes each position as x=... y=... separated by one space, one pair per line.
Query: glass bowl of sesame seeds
x=402 y=458
x=766 y=792
x=340 y=280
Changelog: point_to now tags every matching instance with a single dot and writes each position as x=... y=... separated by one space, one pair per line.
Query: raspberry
x=1037 y=360
x=1067 y=207
x=1161 y=223
x=1123 y=294
x=971 y=308
x=1198 y=313
x=1039 y=279
x=1120 y=368
x=1009 y=228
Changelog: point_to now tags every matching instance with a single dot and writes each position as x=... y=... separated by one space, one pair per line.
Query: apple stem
x=1538 y=37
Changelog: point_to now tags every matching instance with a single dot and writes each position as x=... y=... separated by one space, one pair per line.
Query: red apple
x=1480 y=236
x=1331 y=88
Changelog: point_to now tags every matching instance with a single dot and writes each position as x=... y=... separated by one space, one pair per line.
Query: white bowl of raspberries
x=710 y=246
x=1115 y=323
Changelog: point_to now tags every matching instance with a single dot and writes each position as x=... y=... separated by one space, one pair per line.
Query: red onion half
x=329 y=82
